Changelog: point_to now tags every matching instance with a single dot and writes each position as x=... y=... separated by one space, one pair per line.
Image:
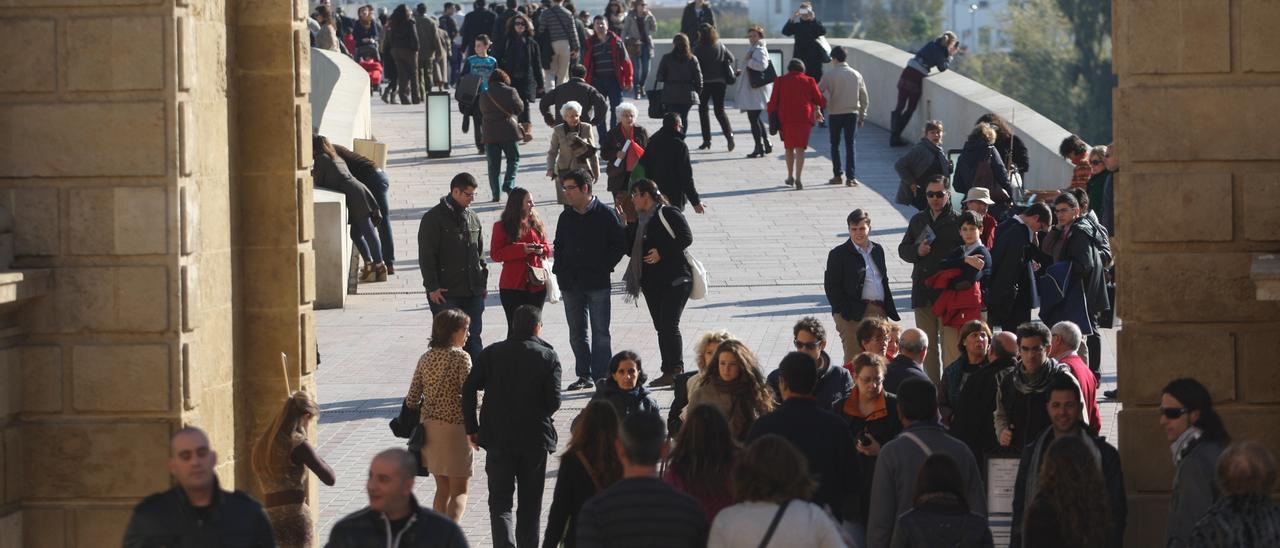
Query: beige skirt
x=448 y=453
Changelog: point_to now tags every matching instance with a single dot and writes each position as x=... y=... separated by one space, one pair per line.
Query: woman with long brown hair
x=704 y=355
x=436 y=391
x=717 y=72
x=702 y=462
x=681 y=78
x=281 y=458
x=521 y=58
x=520 y=243
x=735 y=385
x=589 y=465
x=1070 y=507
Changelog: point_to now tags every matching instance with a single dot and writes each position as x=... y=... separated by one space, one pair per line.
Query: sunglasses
x=1095 y=162
x=801 y=345
x=1172 y=413
x=936 y=194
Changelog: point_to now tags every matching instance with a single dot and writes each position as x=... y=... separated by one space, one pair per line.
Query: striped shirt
x=642 y=512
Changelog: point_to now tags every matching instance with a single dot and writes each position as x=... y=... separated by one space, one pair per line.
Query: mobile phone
x=864 y=439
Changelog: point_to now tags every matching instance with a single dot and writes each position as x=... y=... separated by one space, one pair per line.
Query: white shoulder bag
x=699 y=290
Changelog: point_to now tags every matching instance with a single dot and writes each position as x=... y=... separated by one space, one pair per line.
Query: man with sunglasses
x=833 y=383
x=1022 y=392
x=930 y=236
x=451 y=254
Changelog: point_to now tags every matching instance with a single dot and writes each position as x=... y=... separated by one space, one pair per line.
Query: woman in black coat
x=403 y=43
x=666 y=161
x=805 y=28
x=978 y=155
x=521 y=59
x=624 y=388
x=681 y=78
x=658 y=269
x=717 y=73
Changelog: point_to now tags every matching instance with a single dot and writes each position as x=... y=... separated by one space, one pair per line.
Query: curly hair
x=772 y=470
x=712 y=339
x=871 y=328
x=704 y=452
x=1070 y=481
x=761 y=398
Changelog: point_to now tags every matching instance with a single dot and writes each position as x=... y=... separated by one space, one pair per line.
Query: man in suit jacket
x=1011 y=291
x=857 y=283
x=913 y=346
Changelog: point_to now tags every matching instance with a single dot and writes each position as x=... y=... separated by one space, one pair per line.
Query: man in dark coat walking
x=1011 y=292
x=666 y=161
x=451 y=254
x=479 y=21
x=930 y=237
x=857 y=283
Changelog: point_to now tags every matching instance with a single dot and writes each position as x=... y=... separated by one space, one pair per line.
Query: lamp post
x=973 y=26
x=439 y=127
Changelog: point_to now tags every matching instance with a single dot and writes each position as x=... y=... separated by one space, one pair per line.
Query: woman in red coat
x=795 y=105
x=519 y=242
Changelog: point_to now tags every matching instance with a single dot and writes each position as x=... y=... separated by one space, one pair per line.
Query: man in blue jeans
x=589 y=243
x=846 y=93
x=451 y=254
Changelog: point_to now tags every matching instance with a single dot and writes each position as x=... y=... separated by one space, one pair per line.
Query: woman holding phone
x=520 y=244
x=872 y=415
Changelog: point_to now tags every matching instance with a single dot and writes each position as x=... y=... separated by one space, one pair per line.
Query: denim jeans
x=473 y=306
x=494 y=152
x=609 y=88
x=642 y=71
x=509 y=471
x=843 y=125
x=366 y=239
x=666 y=305
x=591 y=359
x=380 y=189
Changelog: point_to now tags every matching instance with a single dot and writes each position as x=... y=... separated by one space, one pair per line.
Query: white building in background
x=977 y=22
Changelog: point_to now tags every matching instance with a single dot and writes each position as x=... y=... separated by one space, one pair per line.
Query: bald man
x=196 y=511
x=913 y=346
x=394 y=511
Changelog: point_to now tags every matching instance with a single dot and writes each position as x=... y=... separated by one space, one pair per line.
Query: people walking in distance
x=924 y=163
x=557 y=23
x=1067 y=510
x=962 y=276
x=939 y=514
x=1022 y=392
x=502 y=15
x=658 y=269
x=589 y=243
x=327 y=37
x=592 y=105
x=704 y=355
x=833 y=382
x=897 y=468
x=573 y=147
x=773 y=487
x=482 y=65
x=1245 y=515
x=375 y=179
x=520 y=378
x=1197 y=438
x=856 y=282
x=804 y=27
x=702 y=461
x=196 y=511
x=367 y=33
x=479 y=21
x=1014 y=261
x=846 y=94
x=281 y=458
x=436 y=391
x=450 y=20
x=1034 y=470
x=871 y=414
x=403 y=42
x=936 y=54
x=637 y=34
x=794 y=106
x=735 y=385
x=978 y=200
x=615 y=16
x=619 y=149
x=717 y=71
x=1062 y=347
x=520 y=244
x=624 y=387
x=393 y=516
x=913 y=350
x=608 y=69
x=499 y=107
x=931 y=235
x=451 y=253
x=696 y=13
x=624 y=515
x=519 y=54
x=589 y=464
x=755 y=100
x=667 y=163
x=980 y=166
x=1074 y=150
x=430 y=50
x=681 y=77
x=330 y=173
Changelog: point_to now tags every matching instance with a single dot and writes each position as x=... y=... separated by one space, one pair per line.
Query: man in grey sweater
x=557 y=23
x=846 y=94
x=894 y=483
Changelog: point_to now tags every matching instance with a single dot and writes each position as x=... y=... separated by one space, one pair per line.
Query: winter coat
x=749 y=98
x=329 y=174
x=621 y=63
x=955 y=307
x=681 y=80
x=941 y=521
x=692 y=19
x=426 y=529
x=558 y=24
x=946 y=229
x=524 y=69
x=168 y=519
x=1026 y=414
x=451 y=250
x=796 y=98
x=520 y=379
x=428 y=37
x=713 y=58
x=899 y=370
x=499 y=109
x=515 y=260
x=1012 y=293
x=932 y=55
x=631 y=28
x=968 y=401
x=619 y=179
x=976 y=151
x=594 y=105
x=823 y=438
x=666 y=161
x=806 y=47
x=1025 y=485
x=924 y=161
x=844 y=277
x=1194 y=490
x=1088 y=384
x=626 y=402
x=1089 y=251
x=403 y=37
x=882 y=429
x=479 y=21
x=560 y=154
x=588 y=246
x=1062 y=298
x=679 y=401
x=673 y=266
x=834 y=383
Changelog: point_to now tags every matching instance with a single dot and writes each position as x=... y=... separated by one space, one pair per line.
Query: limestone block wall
x=1195 y=111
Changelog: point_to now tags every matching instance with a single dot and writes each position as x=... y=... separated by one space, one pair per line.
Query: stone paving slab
x=764 y=244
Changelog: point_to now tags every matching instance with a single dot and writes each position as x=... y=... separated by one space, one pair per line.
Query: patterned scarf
x=1037 y=382
x=632 y=277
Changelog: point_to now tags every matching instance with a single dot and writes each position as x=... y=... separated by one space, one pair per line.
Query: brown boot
x=527 y=128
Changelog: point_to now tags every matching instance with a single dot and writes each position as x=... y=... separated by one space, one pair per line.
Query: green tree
x=905 y=24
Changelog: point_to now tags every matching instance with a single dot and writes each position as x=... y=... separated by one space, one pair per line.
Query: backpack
x=984 y=177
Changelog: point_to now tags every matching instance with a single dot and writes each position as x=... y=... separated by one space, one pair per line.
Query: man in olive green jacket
x=451 y=254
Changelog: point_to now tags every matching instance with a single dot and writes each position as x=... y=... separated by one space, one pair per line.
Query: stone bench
x=332 y=246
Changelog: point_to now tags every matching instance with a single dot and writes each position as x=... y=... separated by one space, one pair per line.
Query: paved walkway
x=764 y=245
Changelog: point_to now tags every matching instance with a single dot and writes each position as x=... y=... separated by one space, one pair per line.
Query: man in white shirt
x=856 y=283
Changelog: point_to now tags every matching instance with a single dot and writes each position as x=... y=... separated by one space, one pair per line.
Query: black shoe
x=757 y=153
x=730 y=138
x=1111 y=394
x=768 y=147
x=667 y=379
x=706 y=145
x=582 y=383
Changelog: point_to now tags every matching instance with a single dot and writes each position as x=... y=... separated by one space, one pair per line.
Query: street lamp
x=439 y=127
x=973 y=26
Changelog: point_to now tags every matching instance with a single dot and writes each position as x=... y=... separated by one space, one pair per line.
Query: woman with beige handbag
x=520 y=243
x=501 y=133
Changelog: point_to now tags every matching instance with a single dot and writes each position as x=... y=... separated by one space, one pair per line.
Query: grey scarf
x=1183 y=445
x=632 y=277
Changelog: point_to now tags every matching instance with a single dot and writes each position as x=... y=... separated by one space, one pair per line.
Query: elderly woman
x=704 y=354
x=436 y=391
x=872 y=416
x=616 y=150
x=573 y=146
x=795 y=104
x=735 y=384
x=980 y=166
x=658 y=268
x=755 y=100
x=500 y=134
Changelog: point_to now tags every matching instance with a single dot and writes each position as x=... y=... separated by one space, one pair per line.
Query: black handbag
x=656 y=109
x=726 y=65
x=762 y=78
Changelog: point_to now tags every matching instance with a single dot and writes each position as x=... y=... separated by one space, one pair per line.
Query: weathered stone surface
x=1190 y=287
x=114 y=53
x=122 y=221
x=268 y=107
x=275 y=270
x=1147 y=519
x=1257 y=35
x=120 y=378
x=44 y=528
x=37 y=211
x=1261 y=213
x=1202 y=28
x=1217 y=111
x=271 y=196
x=11 y=529
x=31 y=67
x=11 y=390
x=1259 y=364
x=1171 y=354
x=91 y=139
x=192 y=300
x=1140 y=432
x=41 y=378
x=115 y=299
x=94 y=524
x=306 y=213
x=273 y=40
x=75 y=3
x=68 y=460
x=1162 y=193
x=307 y=276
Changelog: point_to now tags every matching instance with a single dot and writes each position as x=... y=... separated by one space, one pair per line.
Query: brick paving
x=764 y=245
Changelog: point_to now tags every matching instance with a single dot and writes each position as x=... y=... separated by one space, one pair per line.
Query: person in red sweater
x=1062 y=347
x=796 y=104
x=520 y=242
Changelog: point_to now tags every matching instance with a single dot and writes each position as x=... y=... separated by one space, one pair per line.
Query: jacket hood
x=610 y=386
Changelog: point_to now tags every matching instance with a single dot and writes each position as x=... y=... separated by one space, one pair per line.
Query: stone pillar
x=1196 y=110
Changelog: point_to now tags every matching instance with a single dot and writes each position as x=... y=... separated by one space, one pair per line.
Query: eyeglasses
x=877 y=381
x=1039 y=348
x=467 y=194
x=567 y=188
x=801 y=345
x=1172 y=413
x=935 y=194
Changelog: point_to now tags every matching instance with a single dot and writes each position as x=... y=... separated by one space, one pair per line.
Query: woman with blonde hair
x=436 y=392
x=281 y=458
x=735 y=384
x=686 y=383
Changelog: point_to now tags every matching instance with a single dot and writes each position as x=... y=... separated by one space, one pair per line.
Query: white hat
x=979 y=194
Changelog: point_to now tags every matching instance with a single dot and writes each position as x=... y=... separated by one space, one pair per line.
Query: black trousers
x=666 y=305
x=507 y=471
x=713 y=95
x=516 y=298
x=759 y=132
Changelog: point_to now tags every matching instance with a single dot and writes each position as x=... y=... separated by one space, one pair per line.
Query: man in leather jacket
x=393 y=517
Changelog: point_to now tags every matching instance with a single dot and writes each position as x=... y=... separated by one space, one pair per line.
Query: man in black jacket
x=1011 y=292
x=857 y=283
x=451 y=255
x=393 y=516
x=833 y=383
x=196 y=512
x=1088 y=250
x=594 y=105
x=818 y=433
x=913 y=349
x=695 y=14
x=1065 y=413
x=589 y=242
x=479 y=21
x=930 y=236
x=520 y=378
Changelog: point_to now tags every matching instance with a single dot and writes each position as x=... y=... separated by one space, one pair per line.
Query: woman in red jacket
x=520 y=244
x=794 y=107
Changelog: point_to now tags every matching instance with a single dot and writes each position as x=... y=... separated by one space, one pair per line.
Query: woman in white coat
x=756 y=100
